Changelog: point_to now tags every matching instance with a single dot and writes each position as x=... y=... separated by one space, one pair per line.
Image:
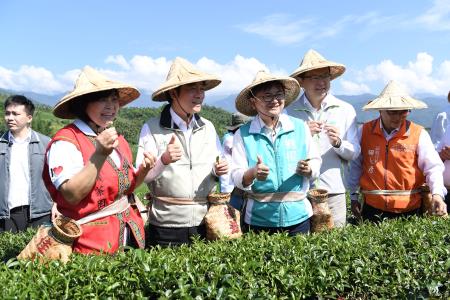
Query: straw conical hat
x=291 y=87
x=91 y=81
x=394 y=97
x=237 y=119
x=313 y=60
x=183 y=72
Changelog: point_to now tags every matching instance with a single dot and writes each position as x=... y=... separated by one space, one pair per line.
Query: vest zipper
x=385 y=170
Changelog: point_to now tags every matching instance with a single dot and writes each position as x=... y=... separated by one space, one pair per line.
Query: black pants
x=373 y=214
x=447 y=201
x=300 y=228
x=167 y=236
x=19 y=220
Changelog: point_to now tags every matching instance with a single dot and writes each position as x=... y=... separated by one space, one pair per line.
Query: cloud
x=31 y=78
x=352 y=88
x=437 y=18
x=145 y=72
x=280 y=28
x=118 y=60
x=417 y=76
x=284 y=29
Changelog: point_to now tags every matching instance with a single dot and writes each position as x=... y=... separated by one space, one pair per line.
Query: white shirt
x=429 y=163
x=226 y=183
x=19 y=169
x=239 y=158
x=335 y=161
x=65 y=160
x=445 y=141
x=439 y=126
x=147 y=144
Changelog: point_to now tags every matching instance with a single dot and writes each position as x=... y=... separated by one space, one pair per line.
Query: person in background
x=332 y=123
x=397 y=158
x=274 y=158
x=89 y=171
x=186 y=146
x=226 y=183
x=24 y=200
x=440 y=134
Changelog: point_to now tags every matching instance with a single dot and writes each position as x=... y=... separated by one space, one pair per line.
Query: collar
x=84 y=127
x=12 y=139
x=286 y=124
x=169 y=119
x=403 y=130
x=328 y=102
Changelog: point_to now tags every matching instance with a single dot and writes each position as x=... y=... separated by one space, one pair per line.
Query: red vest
x=105 y=234
x=391 y=166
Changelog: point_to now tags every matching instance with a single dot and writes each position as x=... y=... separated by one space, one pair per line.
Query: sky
x=45 y=43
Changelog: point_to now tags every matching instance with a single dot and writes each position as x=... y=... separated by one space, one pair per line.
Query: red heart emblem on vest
x=57 y=170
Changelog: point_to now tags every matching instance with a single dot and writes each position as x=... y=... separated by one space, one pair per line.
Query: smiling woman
x=89 y=169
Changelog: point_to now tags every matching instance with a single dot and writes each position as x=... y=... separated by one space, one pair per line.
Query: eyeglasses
x=267 y=98
x=318 y=77
x=398 y=112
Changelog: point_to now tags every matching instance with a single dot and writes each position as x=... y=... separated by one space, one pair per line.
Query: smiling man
x=24 y=200
x=186 y=146
x=397 y=158
x=332 y=123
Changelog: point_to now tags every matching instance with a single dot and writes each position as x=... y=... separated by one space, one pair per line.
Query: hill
x=128 y=122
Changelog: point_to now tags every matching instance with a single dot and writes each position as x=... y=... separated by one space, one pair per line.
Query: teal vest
x=281 y=157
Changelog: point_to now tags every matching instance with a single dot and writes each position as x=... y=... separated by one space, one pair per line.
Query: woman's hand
x=147 y=164
x=107 y=141
x=303 y=168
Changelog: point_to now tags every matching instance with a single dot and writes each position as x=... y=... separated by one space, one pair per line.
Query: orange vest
x=391 y=167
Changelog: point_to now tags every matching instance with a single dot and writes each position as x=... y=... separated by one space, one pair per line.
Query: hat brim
x=243 y=102
x=161 y=94
x=234 y=127
x=394 y=103
x=126 y=95
x=336 y=69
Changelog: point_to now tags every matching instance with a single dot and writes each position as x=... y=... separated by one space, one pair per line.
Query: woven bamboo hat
x=183 y=72
x=394 y=97
x=237 y=119
x=91 y=81
x=313 y=60
x=291 y=88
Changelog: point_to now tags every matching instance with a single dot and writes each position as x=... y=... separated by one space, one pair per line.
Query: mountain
x=424 y=117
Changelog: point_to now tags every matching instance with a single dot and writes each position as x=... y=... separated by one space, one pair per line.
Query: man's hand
x=221 y=167
x=173 y=151
x=445 y=153
x=315 y=126
x=333 y=135
x=438 y=205
x=356 y=209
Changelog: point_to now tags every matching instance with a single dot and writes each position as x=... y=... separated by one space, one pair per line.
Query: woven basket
x=219 y=198
x=65 y=230
x=322 y=218
x=222 y=220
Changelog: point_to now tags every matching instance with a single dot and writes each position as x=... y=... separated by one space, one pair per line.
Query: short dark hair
x=266 y=86
x=302 y=75
x=20 y=100
x=78 y=107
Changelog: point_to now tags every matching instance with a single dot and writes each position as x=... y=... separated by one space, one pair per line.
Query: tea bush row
x=400 y=259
